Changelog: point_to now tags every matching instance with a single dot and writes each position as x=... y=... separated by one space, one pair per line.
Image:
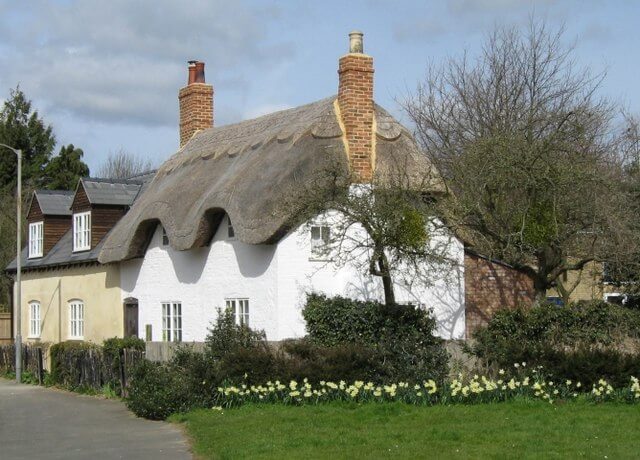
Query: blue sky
x=107 y=74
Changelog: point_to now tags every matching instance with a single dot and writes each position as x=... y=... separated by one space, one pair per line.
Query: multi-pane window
x=34 y=319
x=240 y=308
x=320 y=237
x=82 y=231
x=35 y=239
x=76 y=319
x=172 y=321
x=230 y=232
x=165 y=237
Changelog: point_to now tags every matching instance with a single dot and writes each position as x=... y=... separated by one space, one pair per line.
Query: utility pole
x=18 y=298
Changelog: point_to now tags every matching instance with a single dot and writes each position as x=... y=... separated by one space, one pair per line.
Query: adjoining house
x=66 y=293
x=157 y=256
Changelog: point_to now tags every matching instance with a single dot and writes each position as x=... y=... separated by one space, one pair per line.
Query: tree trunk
x=540 y=287
x=387 y=283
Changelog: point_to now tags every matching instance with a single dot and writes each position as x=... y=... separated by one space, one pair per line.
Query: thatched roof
x=249 y=170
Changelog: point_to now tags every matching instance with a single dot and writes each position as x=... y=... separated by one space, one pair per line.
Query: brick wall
x=490 y=286
x=355 y=98
x=196 y=109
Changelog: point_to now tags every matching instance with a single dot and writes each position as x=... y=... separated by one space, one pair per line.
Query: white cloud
x=122 y=61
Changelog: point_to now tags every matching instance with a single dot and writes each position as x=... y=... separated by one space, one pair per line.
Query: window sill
x=76 y=339
x=34 y=337
x=35 y=257
x=75 y=251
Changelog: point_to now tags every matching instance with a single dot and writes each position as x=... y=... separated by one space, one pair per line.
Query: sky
x=106 y=74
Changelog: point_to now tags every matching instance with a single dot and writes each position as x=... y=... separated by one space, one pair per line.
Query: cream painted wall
x=96 y=285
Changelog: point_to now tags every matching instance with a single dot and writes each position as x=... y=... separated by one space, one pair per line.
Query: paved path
x=40 y=423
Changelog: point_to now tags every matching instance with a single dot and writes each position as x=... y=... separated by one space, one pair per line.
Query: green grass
x=394 y=430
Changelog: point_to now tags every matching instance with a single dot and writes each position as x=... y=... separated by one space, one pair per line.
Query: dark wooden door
x=131 y=319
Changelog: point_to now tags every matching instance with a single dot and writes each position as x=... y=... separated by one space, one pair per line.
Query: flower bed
x=461 y=390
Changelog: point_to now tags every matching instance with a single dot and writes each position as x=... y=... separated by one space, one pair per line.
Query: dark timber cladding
x=54 y=228
x=35 y=213
x=81 y=201
x=103 y=219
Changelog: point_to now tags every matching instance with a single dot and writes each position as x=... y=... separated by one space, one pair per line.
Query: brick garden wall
x=490 y=286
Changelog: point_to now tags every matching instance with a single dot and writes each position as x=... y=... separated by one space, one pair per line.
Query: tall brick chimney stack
x=196 y=103
x=355 y=98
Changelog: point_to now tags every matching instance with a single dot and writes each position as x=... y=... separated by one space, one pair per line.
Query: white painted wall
x=275 y=279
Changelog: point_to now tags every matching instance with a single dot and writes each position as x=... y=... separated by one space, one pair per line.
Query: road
x=42 y=423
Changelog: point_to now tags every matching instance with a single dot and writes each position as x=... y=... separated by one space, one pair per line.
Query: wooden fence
x=5 y=328
x=33 y=360
x=87 y=368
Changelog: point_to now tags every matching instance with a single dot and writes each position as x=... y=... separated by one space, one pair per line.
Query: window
x=165 y=238
x=34 y=319
x=172 y=322
x=230 y=232
x=76 y=319
x=240 y=308
x=82 y=231
x=35 y=239
x=320 y=237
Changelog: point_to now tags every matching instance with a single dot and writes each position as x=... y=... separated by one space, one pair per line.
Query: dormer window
x=320 y=238
x=35 y=239
x=82 y=231
x=230 y=232
x=165 y=237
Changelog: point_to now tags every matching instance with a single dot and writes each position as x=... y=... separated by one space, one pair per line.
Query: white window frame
x=82 y=231
x=231 y=233
x=320 y=242
x=76 y=319
x=36 y=238
x=240 y=308
x=34 y=319
x=164 y=238
x=172 y=321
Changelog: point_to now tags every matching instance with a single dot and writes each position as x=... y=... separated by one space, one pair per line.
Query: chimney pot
x=356 y=44
x=196 y=103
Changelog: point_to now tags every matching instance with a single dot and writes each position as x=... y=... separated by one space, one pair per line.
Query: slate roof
x=55 y=202
x=117 y=192
x=122 y=193
x=249 y=170
x=61 y=254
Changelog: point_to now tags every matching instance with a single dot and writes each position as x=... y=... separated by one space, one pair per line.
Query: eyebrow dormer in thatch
x=250 y=170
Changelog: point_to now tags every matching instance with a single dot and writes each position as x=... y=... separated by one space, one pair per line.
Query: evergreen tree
x=63 y=171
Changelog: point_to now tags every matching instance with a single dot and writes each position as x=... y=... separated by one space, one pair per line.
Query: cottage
x=158 y=255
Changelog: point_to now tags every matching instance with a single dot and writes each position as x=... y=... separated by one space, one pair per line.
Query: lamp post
x=18 y=299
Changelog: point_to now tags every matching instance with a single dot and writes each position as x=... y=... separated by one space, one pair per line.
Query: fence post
x=40 y=370
x=123 y=390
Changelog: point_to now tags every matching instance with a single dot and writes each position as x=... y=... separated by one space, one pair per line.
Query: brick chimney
x=196 y=103
x=355 y=98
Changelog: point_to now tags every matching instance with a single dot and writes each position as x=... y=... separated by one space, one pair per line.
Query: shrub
x=76 y=365
x=112 y=350
x=401 y=336
x=590 y=339
x=226 y=336
x=156 y=391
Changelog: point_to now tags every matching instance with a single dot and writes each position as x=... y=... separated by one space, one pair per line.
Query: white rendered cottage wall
x=299 y=273
x=275 y=279
x=202 y=279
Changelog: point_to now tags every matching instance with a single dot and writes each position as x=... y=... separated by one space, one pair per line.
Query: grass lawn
x=395 y=430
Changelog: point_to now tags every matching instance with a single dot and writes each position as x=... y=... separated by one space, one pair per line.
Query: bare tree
x=122 y=164
x=529 y=151
x=385 y=228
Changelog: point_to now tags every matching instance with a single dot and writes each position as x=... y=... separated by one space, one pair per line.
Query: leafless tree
x=122 y=164
x=529 y=151
x=386 y=228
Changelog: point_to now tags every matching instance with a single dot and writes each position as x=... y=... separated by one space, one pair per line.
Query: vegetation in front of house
x=88 y=367
x=516 y=429
x=383 y=344
x=584 y=341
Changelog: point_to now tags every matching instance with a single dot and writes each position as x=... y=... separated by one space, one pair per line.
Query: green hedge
x=401 y=337
x=590 y=339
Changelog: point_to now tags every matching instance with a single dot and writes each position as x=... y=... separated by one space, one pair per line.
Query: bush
x=111 y=351
x=586 y=339
x=401 y=337
x=76 y=365
x=157 y=392
x=226 y=336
